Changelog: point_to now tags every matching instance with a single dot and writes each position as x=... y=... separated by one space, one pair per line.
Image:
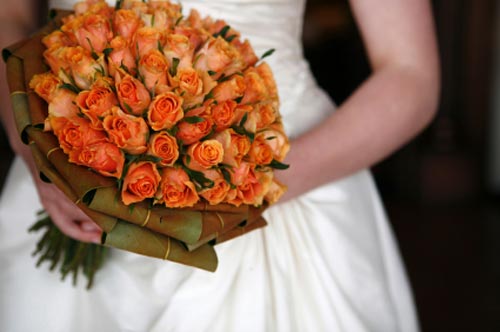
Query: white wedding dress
x=327 y=261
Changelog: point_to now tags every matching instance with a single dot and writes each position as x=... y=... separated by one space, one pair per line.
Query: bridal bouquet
x=164 y=129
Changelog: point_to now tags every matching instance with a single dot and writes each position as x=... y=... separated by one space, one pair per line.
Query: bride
x=326 y=262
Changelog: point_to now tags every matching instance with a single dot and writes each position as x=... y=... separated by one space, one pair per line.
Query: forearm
x=389 y=109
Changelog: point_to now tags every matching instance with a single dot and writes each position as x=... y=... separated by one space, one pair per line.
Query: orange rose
x=173 y=9
x=62 y=104
x=276 y=190
x=277 y=140
x=165 y=147
x=176 y=190
x=223 y=114
x=235 y=146
x=140 y=182
x=230 y=89
x=93 y=6
x=76 y=133
x=139 y=7
x=58 y=39
x=84 y=69
x=45 y=85
x=251 y=190
x=204 y=155
x=93 y=32
x=218 y=192
x=265 y=115
x=178 y=46
x=246 y=51
x=121 y=56
x=132 y=94
x=190 y=85
x=126 y=22
x=97 y=102
x=153 y=67
x=266 y=74
x=239 y=173
x=105 y=158
x=54 y=57
x=260 y=153
x=147 y=39
x=195 y=36
x=192 y=131
x=128 y=132
x=218 y=56
x=255 y=88
x=165 y=111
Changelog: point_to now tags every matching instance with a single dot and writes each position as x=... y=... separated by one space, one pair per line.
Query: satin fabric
x=327 y=261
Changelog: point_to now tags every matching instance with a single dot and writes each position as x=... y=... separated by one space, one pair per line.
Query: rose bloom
x=128 y=132
x=121 y=56
x=204 y=155
x=195 y=36
x=97 y=102
x=260 y=152
x=266 y=74
x=230 y=89
x=277 y=140
x=276 y=190
x=189 y=84
x=93 y=32
x=218 y=192
x=159 y=19
x=265 y=115
x=104 y=158
x=45 y=85
x=93 y=6
x=251 y=191
x=255 y=88
x=192 y=84
x=176 y=190
x=132 y=94
x=227 y=113
x=62 y=105
x=246 y=51
x=58 y=39
x=190 y=133
x=218 y=56
x=235 y=146
x=140 y=182
x=146 y=39
x=165 y=147
x=73 y=134
x=179 y=46
x=54 y=57
x=126 y=22
x=165 y=111
x=84 y=69
x=153 y=67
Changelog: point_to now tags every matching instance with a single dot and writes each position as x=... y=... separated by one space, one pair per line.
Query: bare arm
x=17 y=20
x=393 y=105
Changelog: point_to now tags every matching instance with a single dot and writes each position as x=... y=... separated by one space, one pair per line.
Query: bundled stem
x=72 y=255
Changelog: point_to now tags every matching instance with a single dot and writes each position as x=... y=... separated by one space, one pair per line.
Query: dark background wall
x=437 y=192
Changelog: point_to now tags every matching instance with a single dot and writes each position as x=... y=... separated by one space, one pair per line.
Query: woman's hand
x=66 y=215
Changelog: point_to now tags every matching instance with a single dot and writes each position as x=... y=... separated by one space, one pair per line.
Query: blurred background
x=442 y=191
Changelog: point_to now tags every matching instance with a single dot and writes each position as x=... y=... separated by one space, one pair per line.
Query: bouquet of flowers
x=164 y=129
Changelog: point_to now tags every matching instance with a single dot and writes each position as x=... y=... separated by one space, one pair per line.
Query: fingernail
x=89 y=227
